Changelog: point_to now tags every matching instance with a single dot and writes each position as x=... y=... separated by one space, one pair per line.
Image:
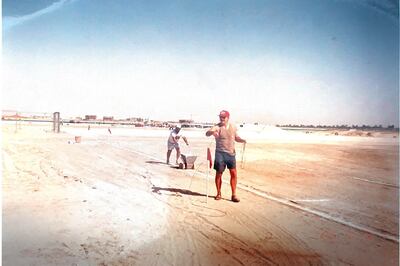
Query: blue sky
x=298 y=62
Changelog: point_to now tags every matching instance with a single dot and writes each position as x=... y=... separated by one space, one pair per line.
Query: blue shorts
x=222 y=160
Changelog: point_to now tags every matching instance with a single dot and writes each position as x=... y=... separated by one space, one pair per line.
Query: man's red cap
x=224 y=113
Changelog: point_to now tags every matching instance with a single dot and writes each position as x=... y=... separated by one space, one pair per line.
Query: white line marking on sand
x=310 y=200
x=374 y=182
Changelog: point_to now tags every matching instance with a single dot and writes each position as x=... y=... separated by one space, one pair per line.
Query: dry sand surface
x=306 y=199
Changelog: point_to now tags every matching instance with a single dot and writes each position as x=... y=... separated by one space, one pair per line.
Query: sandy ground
x=111 y=200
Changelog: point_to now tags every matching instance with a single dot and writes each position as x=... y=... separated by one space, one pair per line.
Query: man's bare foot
x=218 y=197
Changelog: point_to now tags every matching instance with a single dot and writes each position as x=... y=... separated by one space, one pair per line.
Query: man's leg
x=218 y=184
x=178 y=154
x=168 y=155
x=233 y=173
x=219 y=166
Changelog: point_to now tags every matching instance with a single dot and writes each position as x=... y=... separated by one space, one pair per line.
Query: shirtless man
x=174 y=144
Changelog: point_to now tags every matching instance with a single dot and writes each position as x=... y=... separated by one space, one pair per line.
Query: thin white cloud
x=10 y=22
x=388 y=8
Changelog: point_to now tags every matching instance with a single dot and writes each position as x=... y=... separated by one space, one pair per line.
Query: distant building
x=108 y=118
x=90 y=117
x=138 y=124
x=185 y=121
x=8 y=112
x=135 y=119
x=12 y=115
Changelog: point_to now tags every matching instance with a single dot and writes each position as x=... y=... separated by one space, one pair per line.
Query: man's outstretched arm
x=213 y=131
x=239 y=139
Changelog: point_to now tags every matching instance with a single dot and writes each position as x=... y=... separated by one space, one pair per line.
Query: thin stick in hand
x=242 y=162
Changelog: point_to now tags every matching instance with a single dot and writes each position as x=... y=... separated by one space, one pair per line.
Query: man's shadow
x=177 y=190
x=158 y=162
x=173 y=190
